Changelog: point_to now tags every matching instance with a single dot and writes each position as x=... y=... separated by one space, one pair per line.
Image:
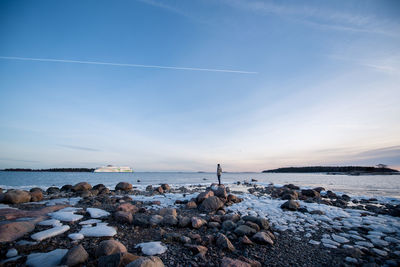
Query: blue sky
x=325 y=91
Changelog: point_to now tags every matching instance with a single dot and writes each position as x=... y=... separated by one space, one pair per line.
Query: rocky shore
x=244 y=224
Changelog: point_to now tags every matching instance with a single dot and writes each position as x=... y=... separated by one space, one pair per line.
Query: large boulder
x=290 y=205
x=16 y=196
x=66 y=188
x=212 y=203
x=52 y=190
x=203 y=195
x=219 y=191
x=108 y=247
x=83 y=186
x=151 y=261
x=76 y=255
x=310 y=193
x=123 y=186
x=166 y=187
x=36 y=196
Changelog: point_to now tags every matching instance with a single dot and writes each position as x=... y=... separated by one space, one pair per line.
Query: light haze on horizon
x=325 y=88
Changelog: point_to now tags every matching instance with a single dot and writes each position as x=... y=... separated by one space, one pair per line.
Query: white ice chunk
x=51 y=222
x=76 y=236
x=90 y=221
x=392 y=239
x=65 y=216
x=329 y=245
x=26 y=242
x=152 y=248
x=379 y=242
x=340 y=239
x=9 y=260
x=49 y=259
x=313 y=242
x=329 y=241
x=98 y=231
x=97 y=213
x=12 y=253
x=50 y=232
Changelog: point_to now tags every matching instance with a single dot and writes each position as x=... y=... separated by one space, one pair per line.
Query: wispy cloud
x=80 y=148
x=321 y=17
x=127 y=65
x=19 y=160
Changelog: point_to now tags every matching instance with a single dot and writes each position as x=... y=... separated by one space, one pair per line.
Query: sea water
x=368 y=185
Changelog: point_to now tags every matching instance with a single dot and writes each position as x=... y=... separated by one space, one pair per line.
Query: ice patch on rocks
x=152 y=248
x=51 y=222
x=76 y=236
x=166 y=200
x=90 y=221
x=98 y=231
x=49 y=259
x=50 y=232
x=97 y=213
x=66 y=216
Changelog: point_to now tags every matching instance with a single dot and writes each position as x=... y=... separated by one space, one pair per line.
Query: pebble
x=12 y=253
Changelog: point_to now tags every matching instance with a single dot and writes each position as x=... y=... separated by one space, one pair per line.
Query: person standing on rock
x=219 y=172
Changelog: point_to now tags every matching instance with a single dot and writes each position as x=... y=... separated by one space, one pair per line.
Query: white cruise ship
x=110 y=168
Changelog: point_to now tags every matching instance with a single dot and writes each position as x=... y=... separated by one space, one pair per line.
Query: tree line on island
x=381 y=168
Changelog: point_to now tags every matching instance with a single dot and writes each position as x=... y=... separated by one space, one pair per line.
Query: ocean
x=363 y=185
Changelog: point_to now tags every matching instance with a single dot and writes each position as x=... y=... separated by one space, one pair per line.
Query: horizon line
x=127 y=65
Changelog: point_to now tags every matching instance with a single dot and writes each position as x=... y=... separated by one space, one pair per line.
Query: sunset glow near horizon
x=184 y=85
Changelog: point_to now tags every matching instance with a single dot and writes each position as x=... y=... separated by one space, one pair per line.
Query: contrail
x=126 y=65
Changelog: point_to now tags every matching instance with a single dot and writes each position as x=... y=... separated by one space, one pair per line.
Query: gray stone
x=212 y=203
x=244 y=230
x=76 y=255
x=223 y=242
x=151 y=261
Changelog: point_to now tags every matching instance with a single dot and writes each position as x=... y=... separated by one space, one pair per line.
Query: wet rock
x=141 y=219
x=214 y=224
x=292 y=186
x=223 y=242
x=219 y=191
x=234 y=199
x=310 y=193
x=127 y=207
x=290 y=205
x=36 y=196
x=228 y=225
x=330 y=194
x=203 y=195
x=345 y=197
x=212 y=203
x=108 y=247
x=66 y=188
x=170 y=220
x=113 y=260
x=234 y=217
x=184 y=221
x=197 y=222
x=191 y=205
x=185 y=239
x=246 y=241
x=123 y=186
x=159 y=190
x=253 y=225
x=36 y=189
x=261 y=222
x=123 y=217
x=244 y=230
x=16 y=196
x=76 y=255
x=319 y=189
x=149 y=188
x=229 y=262
x=99 y=187
x=156 y=219
x=151 y=261
x=128 y=258
x=165 y=187
x=263 y=238
x=168 y=211
x=83 y=186
x=52 y=190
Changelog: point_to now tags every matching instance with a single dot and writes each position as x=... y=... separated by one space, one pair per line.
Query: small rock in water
x=152 y=248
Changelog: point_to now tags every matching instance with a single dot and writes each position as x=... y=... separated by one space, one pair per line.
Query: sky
x=183 y=85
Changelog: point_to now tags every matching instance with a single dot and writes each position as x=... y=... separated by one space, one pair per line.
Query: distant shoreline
x=51 y=170
x=333 y=170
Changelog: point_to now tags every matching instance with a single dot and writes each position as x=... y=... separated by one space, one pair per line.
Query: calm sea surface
x=369 y=185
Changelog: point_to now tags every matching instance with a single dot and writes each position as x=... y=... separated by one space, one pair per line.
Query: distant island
x=50 y=170
x=351 y=170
